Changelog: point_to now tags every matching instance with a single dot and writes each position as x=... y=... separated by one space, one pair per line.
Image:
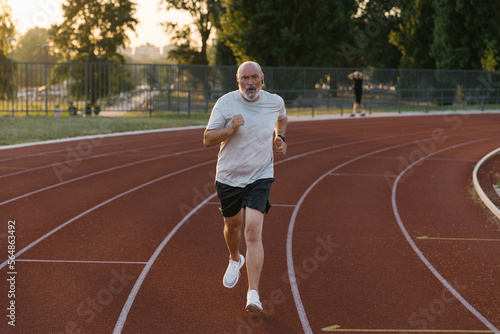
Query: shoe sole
x=242 y=260
x=253 y=308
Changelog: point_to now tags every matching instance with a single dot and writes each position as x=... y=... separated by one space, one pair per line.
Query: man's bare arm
x=216 y=136
x=280 y=129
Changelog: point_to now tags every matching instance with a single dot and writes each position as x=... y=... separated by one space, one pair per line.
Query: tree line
x=424 y=34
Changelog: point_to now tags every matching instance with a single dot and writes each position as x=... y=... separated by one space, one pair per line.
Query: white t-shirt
x=247 y=155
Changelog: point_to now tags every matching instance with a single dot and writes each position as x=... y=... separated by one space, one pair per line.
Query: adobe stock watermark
x=430 y=312
x=198 y=196
x=373 y=28
x=415 y=158
x=304 y=270
x=49 y=10
x=76 y=155
x=424 y=148
x=89 y=309
x=485 y=88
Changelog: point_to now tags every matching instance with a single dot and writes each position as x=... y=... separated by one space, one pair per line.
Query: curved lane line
x=128 y=304
x=493 y=208
x=289 y=254
x=417 y=250
x=97 y=173
x=135 y=290
x=55 y=164
x=138 y=283
x=102 y=204
x=291 y=271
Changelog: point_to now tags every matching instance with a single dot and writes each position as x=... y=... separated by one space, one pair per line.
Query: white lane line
x=126 y=308
x=97 y=173
x=66 y=149
x=102 y=204
x=289 y=246
x=417 y=250
x=77 y=261
x=131 y=297
x=479 y=190
x=168 y=155
x=80 y=158
x=357 y=175
x=273 y=205
x=115 y=134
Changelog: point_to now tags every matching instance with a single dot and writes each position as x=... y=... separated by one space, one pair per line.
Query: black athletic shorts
x=254 y=196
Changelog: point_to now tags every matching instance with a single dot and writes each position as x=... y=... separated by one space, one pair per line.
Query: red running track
x=375 y=228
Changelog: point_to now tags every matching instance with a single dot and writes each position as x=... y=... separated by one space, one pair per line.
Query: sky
x=42 y=13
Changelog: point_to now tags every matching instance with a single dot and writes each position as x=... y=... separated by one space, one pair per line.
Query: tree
x=288 y=33
x=96 y=27
x=204 y=14
x=29 y=48
x=94 y=30
x=466 y=34
x=7 y=29
x=414 y=34
x=373 y=23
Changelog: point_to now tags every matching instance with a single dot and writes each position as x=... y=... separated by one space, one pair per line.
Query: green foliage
x=372 y=27
x=94 y=30
x=29 y=47
x=288 y=33
x=204 y=13
x=7 y=29
x=96 y=27
x=466 y=33
x=413 y=35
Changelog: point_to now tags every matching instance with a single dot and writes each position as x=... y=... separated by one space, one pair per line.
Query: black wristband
x=282 y=137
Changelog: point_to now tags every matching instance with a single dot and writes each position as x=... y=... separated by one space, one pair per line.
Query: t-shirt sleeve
x=217 y=119
x=282 y=111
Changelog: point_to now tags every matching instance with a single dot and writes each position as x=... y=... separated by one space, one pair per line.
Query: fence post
x=427 y=98
x=206 y=101
x=399 y=101
x=169 y=99
x=484 y=98
x=26 y=90
x=371 y=101
x=341 y=103
x=189 y=104
x=313 y=93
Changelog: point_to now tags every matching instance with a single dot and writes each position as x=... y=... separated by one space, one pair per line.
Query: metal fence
x=34 y=88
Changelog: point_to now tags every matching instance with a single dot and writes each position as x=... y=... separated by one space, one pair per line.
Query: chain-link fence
x=37 y=88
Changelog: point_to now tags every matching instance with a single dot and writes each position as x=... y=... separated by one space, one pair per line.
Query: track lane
x=283 y=318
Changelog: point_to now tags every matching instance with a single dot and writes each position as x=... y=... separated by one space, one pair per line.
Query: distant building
x=126 y=52
x=167 y=49
x=147 y=51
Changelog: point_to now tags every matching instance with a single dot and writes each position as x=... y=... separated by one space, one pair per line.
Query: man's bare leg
x=232 y=234
x=255 y=250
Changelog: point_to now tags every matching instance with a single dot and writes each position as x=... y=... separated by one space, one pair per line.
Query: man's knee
x=253 y=232
x=233 y=224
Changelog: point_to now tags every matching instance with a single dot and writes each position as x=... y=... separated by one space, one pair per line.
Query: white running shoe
x=253 y=302
x=233 y=272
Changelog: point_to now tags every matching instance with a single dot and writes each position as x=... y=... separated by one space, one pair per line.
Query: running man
x=245 y=123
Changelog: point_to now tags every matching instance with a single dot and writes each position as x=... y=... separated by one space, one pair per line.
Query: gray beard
x=252 y=96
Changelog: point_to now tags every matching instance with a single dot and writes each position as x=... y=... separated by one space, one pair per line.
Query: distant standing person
x=72 y=109
x=246 y=123
x=88 y=110
x=97 y=109
x=357 y=82
x=57 y=111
